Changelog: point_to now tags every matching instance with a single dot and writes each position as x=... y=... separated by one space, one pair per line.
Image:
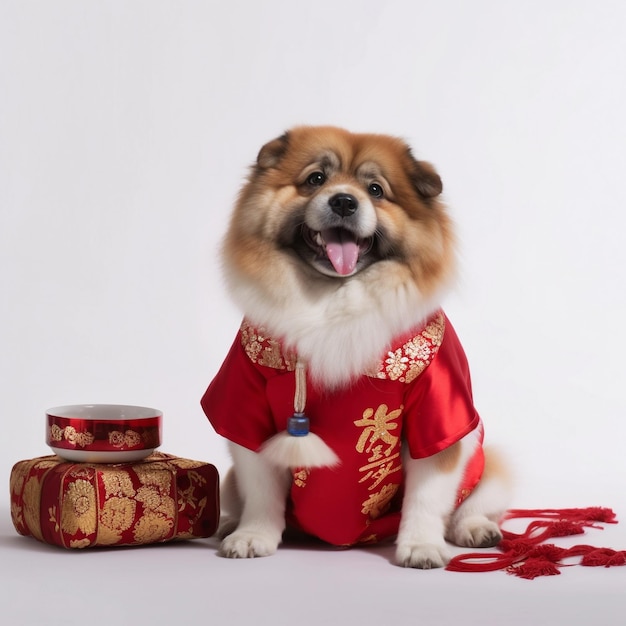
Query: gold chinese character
x=376 y=428
x=378 y=503
x=379 y=471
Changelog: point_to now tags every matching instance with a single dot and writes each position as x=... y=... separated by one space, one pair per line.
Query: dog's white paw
x=247 y=544
x=475 y=532
x=422 y=555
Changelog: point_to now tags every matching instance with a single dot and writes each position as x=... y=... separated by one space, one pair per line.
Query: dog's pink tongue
x=342 y=249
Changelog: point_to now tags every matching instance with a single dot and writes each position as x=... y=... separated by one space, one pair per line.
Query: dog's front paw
x=475 y=532
x=422 y=555
x=247 y=544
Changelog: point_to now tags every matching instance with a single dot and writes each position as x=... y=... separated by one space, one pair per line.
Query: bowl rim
x=64 y=410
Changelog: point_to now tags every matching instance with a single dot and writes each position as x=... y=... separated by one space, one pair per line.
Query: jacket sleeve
x=439 y=408
x=236 y=400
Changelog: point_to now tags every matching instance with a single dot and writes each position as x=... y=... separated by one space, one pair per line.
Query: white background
x=126 y=129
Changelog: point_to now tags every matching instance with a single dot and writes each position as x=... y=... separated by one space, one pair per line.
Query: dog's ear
x=272 y=152
x=425 y=178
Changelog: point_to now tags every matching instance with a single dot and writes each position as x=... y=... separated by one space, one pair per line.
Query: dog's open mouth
x=339 y=247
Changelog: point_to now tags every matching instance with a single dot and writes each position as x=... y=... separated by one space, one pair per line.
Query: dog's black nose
x=343 y=204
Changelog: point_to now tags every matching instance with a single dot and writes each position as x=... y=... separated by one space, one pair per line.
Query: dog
x=346 y=396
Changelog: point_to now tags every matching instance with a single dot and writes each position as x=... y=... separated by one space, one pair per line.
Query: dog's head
x=337 y=203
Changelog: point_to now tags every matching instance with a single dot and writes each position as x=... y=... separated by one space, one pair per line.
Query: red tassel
x=534 y=567
x=565 y=528
x=550 y=552
x=526 y=556
x=604 y=557
x=517 y=547
x=592 y=513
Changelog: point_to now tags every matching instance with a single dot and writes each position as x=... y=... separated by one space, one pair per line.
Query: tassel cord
x=299 y=399
x=296 y=446
x=526 y=556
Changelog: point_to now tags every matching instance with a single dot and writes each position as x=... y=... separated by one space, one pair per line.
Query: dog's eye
x=316 y=179
x=375 y=190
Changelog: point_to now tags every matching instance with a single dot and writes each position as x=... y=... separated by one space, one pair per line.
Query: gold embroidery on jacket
x=264 y=350
x=300 y=476
x=377 y=426
x=379 y=470
x=404 y=364
x=378 y=503
x=381 y=449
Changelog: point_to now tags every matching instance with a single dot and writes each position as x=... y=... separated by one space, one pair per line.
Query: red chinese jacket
x=420 y=393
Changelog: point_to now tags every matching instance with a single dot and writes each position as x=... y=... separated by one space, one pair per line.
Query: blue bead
x=298 y=425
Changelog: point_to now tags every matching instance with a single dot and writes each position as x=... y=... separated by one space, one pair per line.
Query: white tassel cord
x=291 y=451
x=286 y=451
x=299 y=398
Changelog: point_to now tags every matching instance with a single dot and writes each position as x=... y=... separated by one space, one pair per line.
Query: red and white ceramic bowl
x=103 y=433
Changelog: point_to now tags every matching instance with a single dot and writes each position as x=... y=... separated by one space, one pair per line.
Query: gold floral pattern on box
x=83 y=505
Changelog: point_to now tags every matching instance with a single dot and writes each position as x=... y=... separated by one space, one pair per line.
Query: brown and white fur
x=317 y=183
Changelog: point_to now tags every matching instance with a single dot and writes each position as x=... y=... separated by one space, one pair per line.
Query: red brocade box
x=80 y=505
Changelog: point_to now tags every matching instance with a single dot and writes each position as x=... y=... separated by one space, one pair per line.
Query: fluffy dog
x=338 y=252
